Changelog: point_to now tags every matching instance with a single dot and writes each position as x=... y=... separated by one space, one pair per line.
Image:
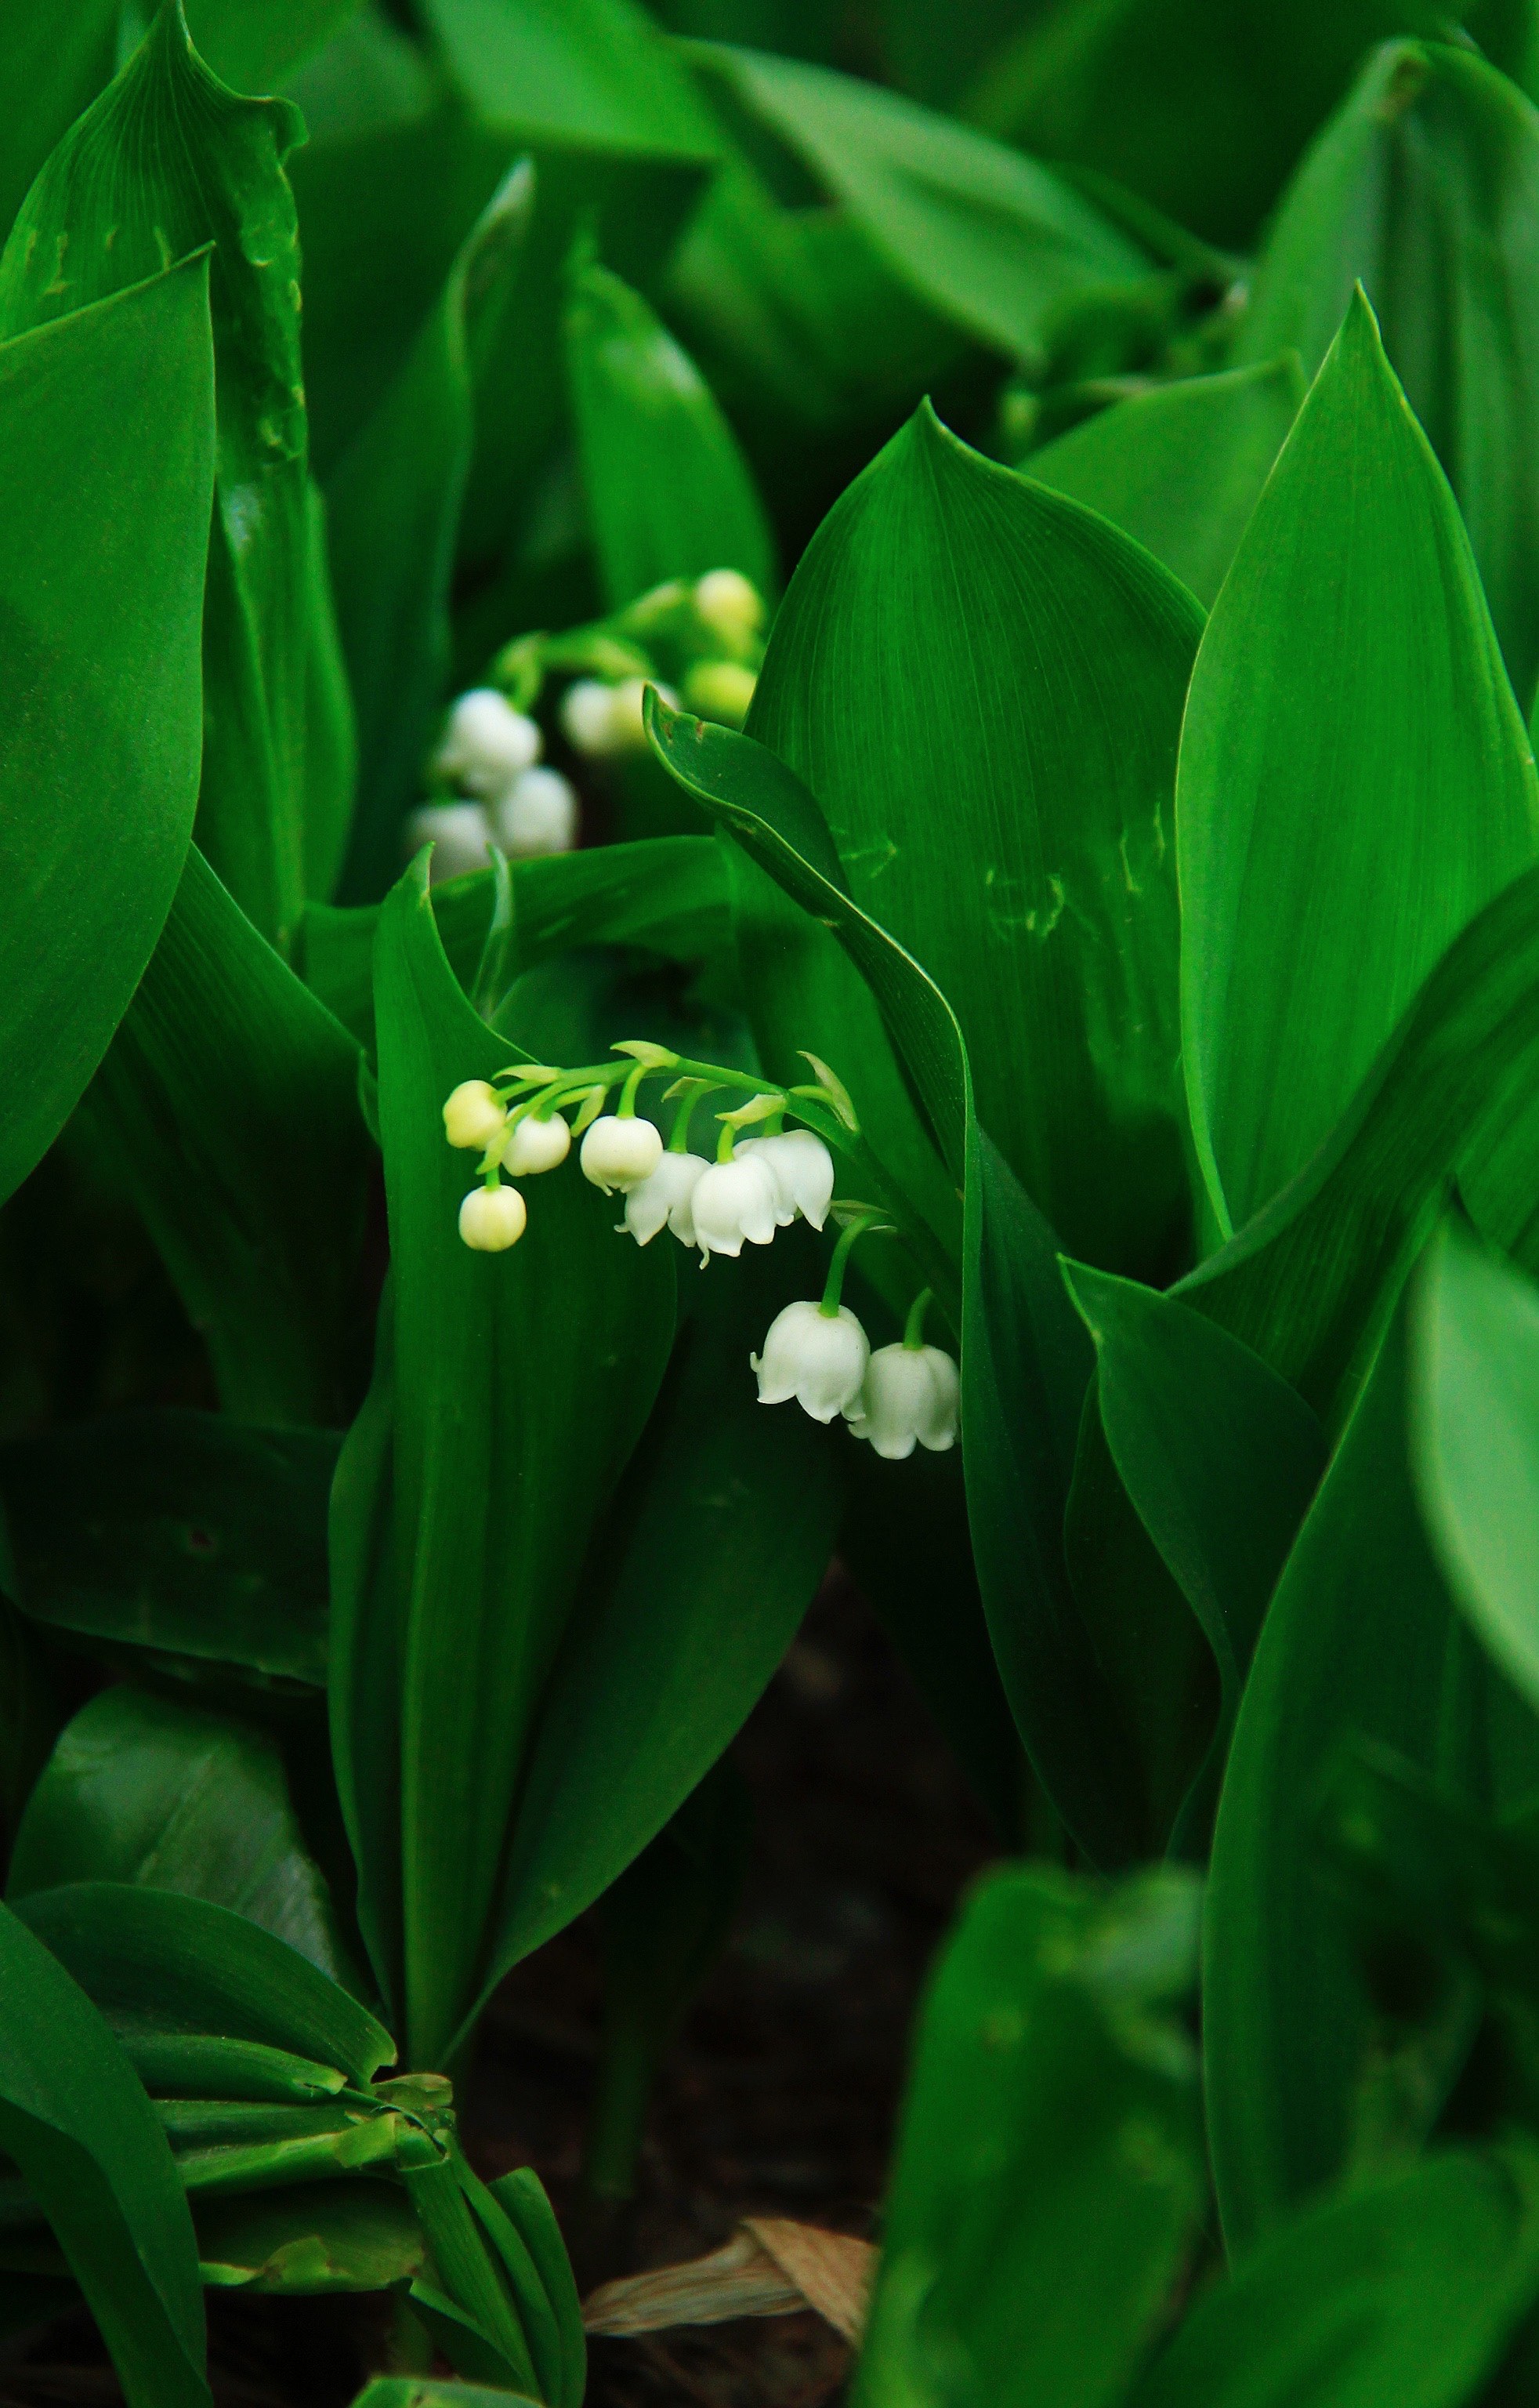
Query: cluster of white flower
x=603 y=718
x=490 y=753
x=897 y=1398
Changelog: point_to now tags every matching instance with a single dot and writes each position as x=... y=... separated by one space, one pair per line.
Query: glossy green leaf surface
x=522 y=1382
x=76 y=2122
x=721 y=1532
x=1030 y=2240
x=394 y=502
x=999 y=784
x=105 y=482
x=1362 y=1638
x=1423 y=188
x=156 y=1959
x=982 y=235
x=264 y=1242
x=1180 y=468
x=1350 y=654
x=593 y=74
x=50 y=69
x=139 y=1788
x=253 y=44
x=1405 y=2291
x=1220 y=1457
x=1476 y=1443
x=331 y=725
x=668 y=491
x=1310 y=1281
x=165 y=162
x=183 y=1533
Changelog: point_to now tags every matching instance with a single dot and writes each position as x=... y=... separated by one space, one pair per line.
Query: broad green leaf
x=1219 y=1456
x=1048 y=2165
x=1182 y=467
x=254 y=44
x=166 y=161
x=1476 y=1443
x=76 y=2120
x=1025 y=1355
x=205 y=2064
x=1350 y=654
x=999 y=788
x=230 y=1097
x=182 y=1533
x=719 y=1533
x=1199 y=106
x=523 y=1377
x=1361 y=1640
x=987 y=237
x=51 y=67
x=155 y=1960
x=668 y=492
x=1310 y=1281
x=1424 y=189
x=593 y=75
x=360 y=2235
x=330 y=727
x=394 y=502
x=667 y=894
x=139 y=1788
x=105 y=474
x=1406 y=2292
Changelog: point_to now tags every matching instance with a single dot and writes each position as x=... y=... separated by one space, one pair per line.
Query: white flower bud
x=603 y=720
x=668 y=1196
x=473 y=1115
x=487 y=744
x=733 y=1200
x=491 y=1219
x=620 y=1153
x=537 y=814
x=817 y=1358
x=909 y=1393
x=720 y=690
x=459 y=834
x=729 y=606
x=535 y=1145
x=802 y=1168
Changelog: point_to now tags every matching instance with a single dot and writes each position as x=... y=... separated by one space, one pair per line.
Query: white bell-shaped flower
x=733 y=1200
x=587 y=715
x=909 y=1394
x=539 y=814
x=729 y=605
x=491 y=1219
x=817 y=1358
x=666 y=1196
x=535 y=1145
x=459 y=834
x=473 y=1115
x=487 y=744
x=620 y=1152
x=802 y=1167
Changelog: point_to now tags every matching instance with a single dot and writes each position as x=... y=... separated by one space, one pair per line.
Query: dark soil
x=778 y=2096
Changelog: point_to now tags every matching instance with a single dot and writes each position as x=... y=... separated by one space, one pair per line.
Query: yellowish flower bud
x=473 y=1115
x=720 y=690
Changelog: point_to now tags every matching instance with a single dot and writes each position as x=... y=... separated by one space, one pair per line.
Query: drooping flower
x=817 y=1356
x=733 y=1200
x=620 y=1153
x=539 y=814
x=720 y=690
x=486 y=743
x=473 y=1115
x=459 y=834
x=802 y=1167
x=666 y=1196
x=909 y=1394
x=729 y=606
x=491 y=1219
x=535 y=1145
